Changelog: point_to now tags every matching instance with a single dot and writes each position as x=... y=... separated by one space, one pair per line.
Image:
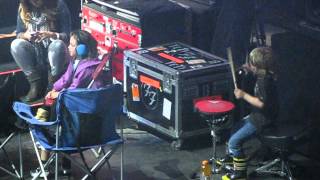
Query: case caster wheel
x=176 y=145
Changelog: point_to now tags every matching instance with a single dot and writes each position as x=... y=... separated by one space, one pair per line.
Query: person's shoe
x=42 y=114
x=236 y=175
x=227 y=160
x=35 y=172
x=240 y=170
x=35 y=92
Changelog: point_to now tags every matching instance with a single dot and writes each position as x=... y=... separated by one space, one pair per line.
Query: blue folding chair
x=85 y=118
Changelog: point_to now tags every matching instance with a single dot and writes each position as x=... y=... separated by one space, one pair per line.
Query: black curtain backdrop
x=298 y=64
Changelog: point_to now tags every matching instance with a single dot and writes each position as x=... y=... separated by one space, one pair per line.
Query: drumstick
x=229 y=53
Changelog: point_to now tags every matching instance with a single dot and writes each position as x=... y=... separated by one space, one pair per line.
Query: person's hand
x=238 y=93
x=48 y=95
x=27 y=36
x=52 y=94
x=44 y=35
x=30 y=36
x=246 y=67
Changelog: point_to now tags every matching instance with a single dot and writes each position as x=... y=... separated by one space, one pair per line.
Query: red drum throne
x=215 y=111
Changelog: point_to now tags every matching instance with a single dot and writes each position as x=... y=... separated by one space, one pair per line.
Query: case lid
x=179 y=57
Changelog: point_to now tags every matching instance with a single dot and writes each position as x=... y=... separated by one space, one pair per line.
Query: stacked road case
x=162 y=81
x=131 y=24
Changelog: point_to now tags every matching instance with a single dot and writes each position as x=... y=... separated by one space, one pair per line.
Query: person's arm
x=64 y=80
x=53 y=94
x=82 y=78
x=63 y=21
x=23 y=33
x=254 y=101
x=21 y=29
x=63 y=25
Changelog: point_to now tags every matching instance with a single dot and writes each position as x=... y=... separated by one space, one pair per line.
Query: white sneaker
x=34 y=173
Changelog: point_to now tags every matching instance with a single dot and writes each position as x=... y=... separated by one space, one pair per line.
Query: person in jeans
x=43 y=27
x=264 y=109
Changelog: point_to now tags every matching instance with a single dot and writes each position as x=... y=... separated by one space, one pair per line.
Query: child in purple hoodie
x=83 y=52
x=84 y=61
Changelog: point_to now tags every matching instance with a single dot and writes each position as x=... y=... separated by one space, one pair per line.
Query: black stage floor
x=147 y=157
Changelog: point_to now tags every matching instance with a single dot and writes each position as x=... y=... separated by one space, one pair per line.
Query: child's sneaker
x=35 y=172
x=42 y=114
x=227 y=160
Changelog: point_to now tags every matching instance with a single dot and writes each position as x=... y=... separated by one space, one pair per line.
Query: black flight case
x=161 y=83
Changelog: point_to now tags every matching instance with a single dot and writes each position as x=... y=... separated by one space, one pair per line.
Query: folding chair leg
x=75 y=162
x=288 y=171
x=15 y=172
x=56 y=174
x=49 y=161
x=20 y=156
x=122 y=149
x=7 y=171
x=122 y=162
x=112 y=174
x=11 y=162
x=99 y=150
x=102 y=161
x=102 y=151
x=38 y=157
x=96 y=153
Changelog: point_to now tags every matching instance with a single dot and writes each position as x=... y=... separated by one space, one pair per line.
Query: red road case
x=162 y=81
x=110 y=30
x=133 y=24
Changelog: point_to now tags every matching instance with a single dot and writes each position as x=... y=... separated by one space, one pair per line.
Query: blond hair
x=262 y=58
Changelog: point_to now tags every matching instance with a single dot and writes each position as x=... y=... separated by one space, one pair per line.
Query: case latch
x=133 y=69
x=167 y=83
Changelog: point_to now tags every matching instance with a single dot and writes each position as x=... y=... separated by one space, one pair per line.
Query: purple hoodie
x=81 y=77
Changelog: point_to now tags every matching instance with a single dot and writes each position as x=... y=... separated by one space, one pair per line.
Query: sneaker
x=227 y=160
x=35 y=172
x=42 y=114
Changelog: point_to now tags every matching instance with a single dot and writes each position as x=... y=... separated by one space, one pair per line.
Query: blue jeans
x=246 y=131
x=24 y=54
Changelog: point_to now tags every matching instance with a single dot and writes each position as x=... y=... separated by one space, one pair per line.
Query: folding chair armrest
x=24 y=112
